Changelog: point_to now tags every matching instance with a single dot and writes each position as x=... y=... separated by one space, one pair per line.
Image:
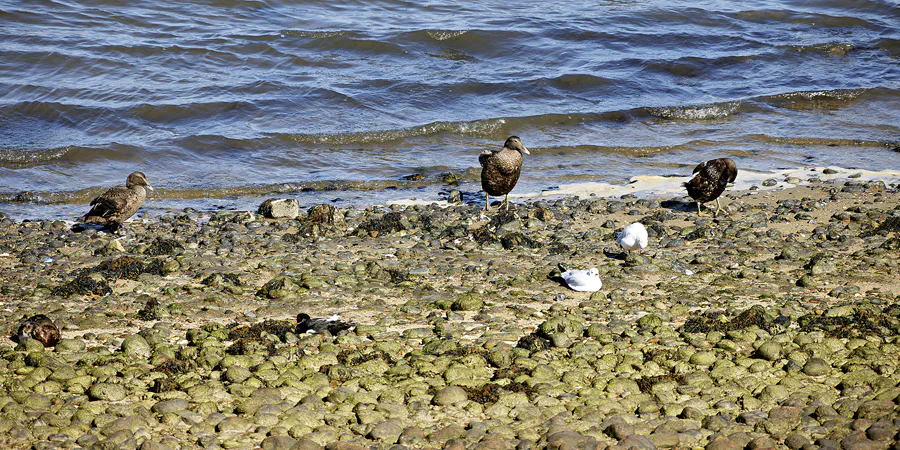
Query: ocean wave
x=786 y=16
x=830 y=142
x=890 y=46
x=488 y=129
x=320 y=34
x=824 y=99
x=835 y=48
x=21 y=158
x=698 y=112
x=443 y=35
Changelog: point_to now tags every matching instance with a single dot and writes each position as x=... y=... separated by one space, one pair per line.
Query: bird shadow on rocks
x=619 y=256
x=81 y=227
x=678 y=205
x=556 y=276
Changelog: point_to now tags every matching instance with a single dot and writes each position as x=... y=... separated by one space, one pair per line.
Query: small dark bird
x=333 y=324
x=117 y=204
x=710 y=179
x=500 y=169
x=40 y=328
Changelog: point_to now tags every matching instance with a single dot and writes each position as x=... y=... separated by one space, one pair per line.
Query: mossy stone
x=467 y=302
x=107 y=391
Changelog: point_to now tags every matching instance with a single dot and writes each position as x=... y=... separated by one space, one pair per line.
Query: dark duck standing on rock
x=500 y=169
x=40 y=328
x=117 y=204
x=710 y=179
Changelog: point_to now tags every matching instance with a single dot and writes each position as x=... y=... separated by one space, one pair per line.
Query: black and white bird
x=500 y=169
x=709 y=181
x=113 y=207
x=311 y=325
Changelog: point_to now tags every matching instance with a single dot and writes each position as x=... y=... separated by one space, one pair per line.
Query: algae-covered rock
x=107 y=391
x=572 y=327
x=450 y=395
x=650 y=321
x=467 y=302
x=278 y=287
x=769 y=351
x=136 y=347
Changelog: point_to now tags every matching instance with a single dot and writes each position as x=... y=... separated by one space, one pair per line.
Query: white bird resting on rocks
x=633 y=237
x=586 y=280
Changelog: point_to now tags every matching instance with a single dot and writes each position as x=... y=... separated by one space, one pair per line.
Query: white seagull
x=633 y=237
x=583 y=280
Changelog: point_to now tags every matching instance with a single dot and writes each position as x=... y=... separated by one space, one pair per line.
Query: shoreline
x=642 y=186
x=450 y=296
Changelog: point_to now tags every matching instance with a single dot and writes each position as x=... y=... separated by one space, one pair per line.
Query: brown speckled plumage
x=711 y=178
x=500 y=169
x=117 y=204
x=40 y=328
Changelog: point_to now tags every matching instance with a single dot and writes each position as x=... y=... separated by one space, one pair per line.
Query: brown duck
x=117 y=204
x=500 y=169
x=710 y=179
x=40 y=328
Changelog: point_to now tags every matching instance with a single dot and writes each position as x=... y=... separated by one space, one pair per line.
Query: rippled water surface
x=223 y=101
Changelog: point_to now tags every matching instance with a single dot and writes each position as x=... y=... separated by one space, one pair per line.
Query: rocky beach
x=774 y=325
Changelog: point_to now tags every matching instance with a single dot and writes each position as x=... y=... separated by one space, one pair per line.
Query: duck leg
x=718 y=207
x=487 y=201
x=506 y=201
x=699 y=213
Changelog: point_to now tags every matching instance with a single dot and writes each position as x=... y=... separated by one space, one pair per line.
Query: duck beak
x=149 y=187
x=525 y=150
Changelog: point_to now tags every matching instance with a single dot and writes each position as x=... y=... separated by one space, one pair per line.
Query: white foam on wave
x=443 y=35
x=649 y=185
